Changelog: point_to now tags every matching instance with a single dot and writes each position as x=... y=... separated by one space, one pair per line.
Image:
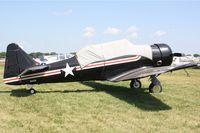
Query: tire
x=155 y=88
x=32 y=91
x=135 y=84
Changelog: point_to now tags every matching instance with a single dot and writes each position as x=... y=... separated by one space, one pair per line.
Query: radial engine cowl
x=162 y=55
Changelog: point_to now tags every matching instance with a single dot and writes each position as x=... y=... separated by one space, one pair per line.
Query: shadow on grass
x=139 y=97
x=18 y=93
x=24 y=92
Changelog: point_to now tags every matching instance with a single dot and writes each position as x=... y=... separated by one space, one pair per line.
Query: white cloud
x=134 y=35
x=132 y=32
x=112 y=31
x=159 y=33
x=62 y=13
x=89 y=31
x=132 y=29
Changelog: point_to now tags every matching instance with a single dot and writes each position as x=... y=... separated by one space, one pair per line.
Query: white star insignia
x=68 y=70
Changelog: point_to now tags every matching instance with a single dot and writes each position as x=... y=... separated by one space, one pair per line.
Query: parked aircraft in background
x=112 y=61
x=185 y=59
x=48 y=59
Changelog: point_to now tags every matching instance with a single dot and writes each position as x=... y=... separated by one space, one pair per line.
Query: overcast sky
x=64 y=26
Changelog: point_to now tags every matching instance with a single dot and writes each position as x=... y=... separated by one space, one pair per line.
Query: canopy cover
x=110 y=50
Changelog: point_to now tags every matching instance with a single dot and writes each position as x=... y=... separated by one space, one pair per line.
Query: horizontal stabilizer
x=34 y=69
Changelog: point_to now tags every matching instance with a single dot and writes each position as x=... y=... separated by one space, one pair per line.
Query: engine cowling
x=162 y=55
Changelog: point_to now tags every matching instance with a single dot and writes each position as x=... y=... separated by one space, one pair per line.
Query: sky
x=66 y=26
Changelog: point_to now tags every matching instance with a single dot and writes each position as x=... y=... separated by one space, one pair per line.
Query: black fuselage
x=162 y=56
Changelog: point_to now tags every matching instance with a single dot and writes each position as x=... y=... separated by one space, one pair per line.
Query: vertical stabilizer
x=17 y=60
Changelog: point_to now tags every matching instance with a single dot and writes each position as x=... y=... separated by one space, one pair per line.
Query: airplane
x=112 y=61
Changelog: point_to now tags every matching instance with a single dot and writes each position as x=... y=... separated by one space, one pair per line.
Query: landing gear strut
x=135 y=84
x=31 y=89
x=155 y=86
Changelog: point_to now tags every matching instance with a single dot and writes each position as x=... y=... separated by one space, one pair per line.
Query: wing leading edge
x=147 y=71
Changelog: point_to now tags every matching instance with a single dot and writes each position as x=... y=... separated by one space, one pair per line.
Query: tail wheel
x=155 y=88
x=32 y=91
x=135 y=84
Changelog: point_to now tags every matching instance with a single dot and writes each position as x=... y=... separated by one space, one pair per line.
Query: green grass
x=103 y=106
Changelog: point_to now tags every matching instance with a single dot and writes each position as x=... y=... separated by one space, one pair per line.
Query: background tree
x=196 y=55
x=2 y=54
x=36 y=54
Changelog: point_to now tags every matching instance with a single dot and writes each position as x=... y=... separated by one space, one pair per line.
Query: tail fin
x=17 y=60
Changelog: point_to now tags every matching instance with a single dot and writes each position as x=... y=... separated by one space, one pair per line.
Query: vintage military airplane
x=112 y=61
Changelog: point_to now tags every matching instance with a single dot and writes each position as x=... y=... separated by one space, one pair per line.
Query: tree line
x=33 y=54
x=2 y=54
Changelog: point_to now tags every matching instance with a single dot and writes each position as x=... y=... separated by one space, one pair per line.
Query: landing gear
x=135 y=84
x=155 y=86
x=31 y=89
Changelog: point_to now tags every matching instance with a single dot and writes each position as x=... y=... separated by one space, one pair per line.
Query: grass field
x=103 y=106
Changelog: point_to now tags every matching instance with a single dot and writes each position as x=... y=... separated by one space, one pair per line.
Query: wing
x=147 y=71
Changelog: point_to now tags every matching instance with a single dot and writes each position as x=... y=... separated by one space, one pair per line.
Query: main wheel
x=32 y=91
x=155 y=88
x=135 y=84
